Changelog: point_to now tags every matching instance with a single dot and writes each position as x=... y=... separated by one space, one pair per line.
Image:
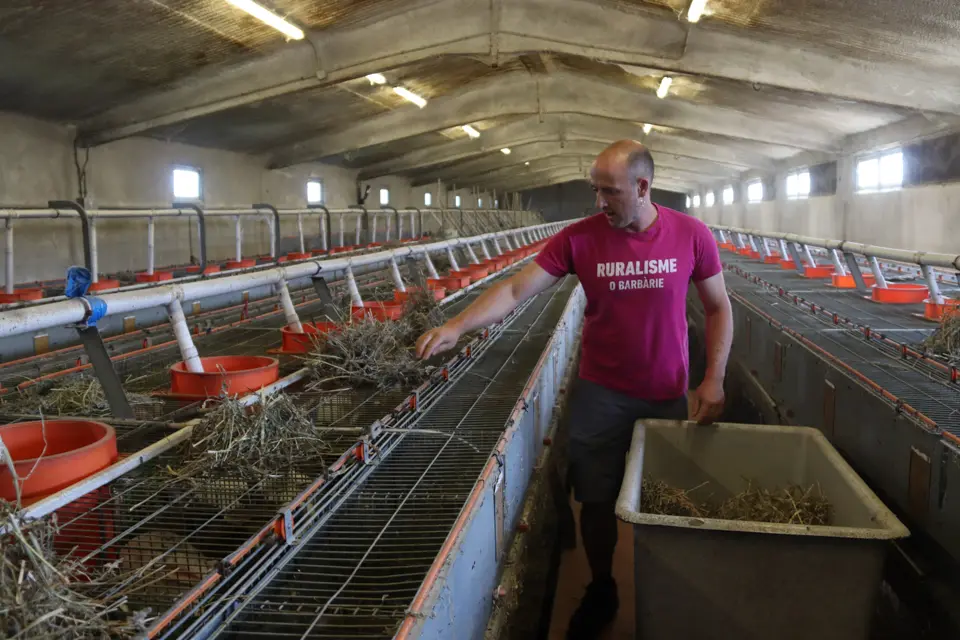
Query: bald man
x=635 y=261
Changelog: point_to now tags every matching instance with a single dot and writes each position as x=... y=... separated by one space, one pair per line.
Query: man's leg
x=598 y=526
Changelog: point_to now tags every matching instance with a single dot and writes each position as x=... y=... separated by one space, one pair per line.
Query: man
x=635 y=261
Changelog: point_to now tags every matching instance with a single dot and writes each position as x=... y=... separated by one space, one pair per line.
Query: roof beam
x=630 y=35
x=560 y=93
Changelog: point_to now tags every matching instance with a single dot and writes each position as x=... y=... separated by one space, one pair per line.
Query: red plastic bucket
x=103 y=285
x=297 y=342
x=210 y=269
x=773 y=258
x=156 y=276
x=297 y=255
x=477 y=271
x=22 y=295
x=900 y=293
x=403 y=296
x=241 y=264
x=381 y=310
x=847 y=281
x=230 y=375
x=818 y=272
x=936 y=312
x=319 y=252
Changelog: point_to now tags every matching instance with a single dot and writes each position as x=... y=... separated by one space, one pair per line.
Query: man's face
x=617 y=195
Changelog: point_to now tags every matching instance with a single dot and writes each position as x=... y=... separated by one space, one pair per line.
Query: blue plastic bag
x=78 y=283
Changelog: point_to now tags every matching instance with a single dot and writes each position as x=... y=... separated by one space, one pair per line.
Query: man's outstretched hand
x=437 y=341
x=708 y=401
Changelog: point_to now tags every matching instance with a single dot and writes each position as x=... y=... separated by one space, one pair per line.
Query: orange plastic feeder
x=381 y=310
x=847 y=281
x=450 y=283
x=729 y=246
x=788 y=264
x=75 y=449
x=773 y=258
x=936 y=312
x=209 y=270
x=303 y=342
x=22 y=295
x=403 y=296
x=229 y=375
x=340 y=250
x=156 y=276
x=299 y=255
x=103 y=285
x=319 y=252
x=463 y=274
x=900 y=293
x=477 y=271
x=825 y=271
x=246 y=263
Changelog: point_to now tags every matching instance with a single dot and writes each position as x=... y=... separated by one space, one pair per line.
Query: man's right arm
x=492 y=305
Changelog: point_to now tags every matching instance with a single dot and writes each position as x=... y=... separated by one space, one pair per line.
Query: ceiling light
x=411 y=96
x=696 y=10
x=505 y=151
x=377 y=78
x=473 y=133
x=526 y=164
x=647 y=128
x=664 y=87
x=268 y=17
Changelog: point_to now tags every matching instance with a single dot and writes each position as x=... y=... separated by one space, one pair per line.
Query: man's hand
x=708 y=401
x=437 y=341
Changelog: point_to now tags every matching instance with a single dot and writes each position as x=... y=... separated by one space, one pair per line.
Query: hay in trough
x=251 y=443
x=45 y=595
x=793 y=504
x=80 y=395
x=945 y=341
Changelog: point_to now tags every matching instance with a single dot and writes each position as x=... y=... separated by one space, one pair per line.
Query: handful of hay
x=368 y=352
x=945 y=341
x=792 y=504
x=252 y=442
x=43 y=595
x=79 y=395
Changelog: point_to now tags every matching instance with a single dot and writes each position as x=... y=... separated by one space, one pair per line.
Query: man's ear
x=643 y=187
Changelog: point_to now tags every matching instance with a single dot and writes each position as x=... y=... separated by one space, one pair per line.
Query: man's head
x=621 y=177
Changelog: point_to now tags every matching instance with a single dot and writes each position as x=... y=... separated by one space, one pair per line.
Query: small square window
x=456 y=201
x=427 y=199
x=710 y=198
x=384 y=196
x=728 y=195
x=479 y=203
x=755 y=191
x=798 y=185
x=186 y=183
x=891 y=170
x=880 y=172
x=314 y=192
x=688 y=202
x=696 y=200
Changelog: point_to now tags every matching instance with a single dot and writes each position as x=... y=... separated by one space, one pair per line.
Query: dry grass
x=793 y=504
x=43 y=595
x=251 y=443
x=79 y=395
x=945 y=341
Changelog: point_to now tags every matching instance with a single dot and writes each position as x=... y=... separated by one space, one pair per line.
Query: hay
x=252 y=443
x=368 y=352
x=792 y=504
x=79 y=395
x=945 y=341
x=43 y=595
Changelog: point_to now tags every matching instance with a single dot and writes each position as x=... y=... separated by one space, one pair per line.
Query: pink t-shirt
x=635 y=329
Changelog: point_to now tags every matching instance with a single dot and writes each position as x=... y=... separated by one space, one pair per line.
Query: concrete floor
x=574 y=576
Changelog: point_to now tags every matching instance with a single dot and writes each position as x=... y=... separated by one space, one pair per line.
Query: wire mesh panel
x=357 y=575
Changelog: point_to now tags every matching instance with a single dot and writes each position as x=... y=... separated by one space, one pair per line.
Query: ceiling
x=754 y=82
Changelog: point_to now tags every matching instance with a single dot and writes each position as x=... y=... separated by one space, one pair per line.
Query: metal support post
x=373 y=226
x=10 y=282
x=94 y=261
x=795 y=256
x=274 y=229
x=342 y=216
x=303 y=246
x=851 y=261
x=238 y=232
x=107 y=376
x=201 y=229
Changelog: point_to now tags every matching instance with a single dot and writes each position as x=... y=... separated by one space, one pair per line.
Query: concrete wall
x=37 y=165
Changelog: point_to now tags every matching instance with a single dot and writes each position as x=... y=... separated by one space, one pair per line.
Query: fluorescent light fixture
x=473 y=133
x=647 y=128
x=695 y=11
x=406 y=94
x=505 y=151
x=268 y=17
x=377 y=78
x=526 y=164
x=664 y=87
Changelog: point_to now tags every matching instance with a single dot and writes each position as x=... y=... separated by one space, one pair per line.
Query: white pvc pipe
x=809 y=255
x=931 y=277
x=877 y=272
x=453 y=260
x=10 y=282
x=323 y=233
x=289 y=311
x=94 y=276
x=784 y=250
x=400 y=226
x=389 y=227
x=431 y=268
x=151 y=243
x=359 y=229
x=272 y=232
x=472 y=254
x=303 y=247
x=837 y=263
x=413 y=225
x=353 y=289
x=395 y=272
x=496 y=247
x=342 y=215
x=188 y=350
x=753 y=244
x=238 y=233
x=373 y=228
x=486 y=252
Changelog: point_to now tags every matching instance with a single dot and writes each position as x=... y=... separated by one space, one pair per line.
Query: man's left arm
x=708 y=398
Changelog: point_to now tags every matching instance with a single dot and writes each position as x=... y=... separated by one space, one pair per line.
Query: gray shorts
x=601 y=427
